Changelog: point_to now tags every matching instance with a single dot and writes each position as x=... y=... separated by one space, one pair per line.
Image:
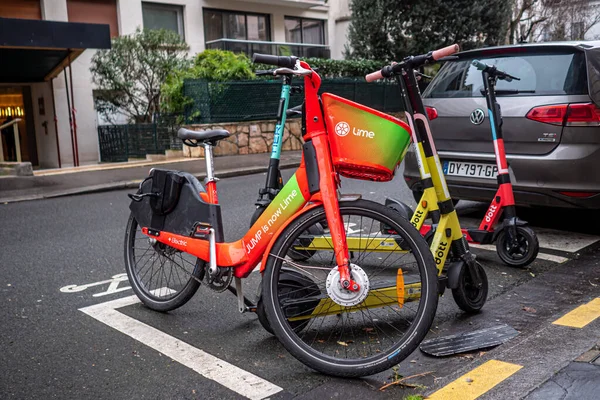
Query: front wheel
x=467 y=296
x=522 y=252
x=343 y=333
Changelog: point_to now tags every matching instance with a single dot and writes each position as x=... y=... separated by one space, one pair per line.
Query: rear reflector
x=431 y=113
x=580 y=195
x=578 y=114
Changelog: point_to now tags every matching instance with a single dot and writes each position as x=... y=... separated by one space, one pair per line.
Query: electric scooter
x=516 y=243
x=274 y=181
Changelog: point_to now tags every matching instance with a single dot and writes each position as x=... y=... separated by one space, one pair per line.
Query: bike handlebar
x=493 y=71
x=412 y=62
x=278 y=61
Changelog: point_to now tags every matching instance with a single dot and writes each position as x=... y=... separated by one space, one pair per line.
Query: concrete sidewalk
x=88 y=179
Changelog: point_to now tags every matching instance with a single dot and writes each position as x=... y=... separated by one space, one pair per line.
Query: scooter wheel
x=524 y=253
x=467 y=296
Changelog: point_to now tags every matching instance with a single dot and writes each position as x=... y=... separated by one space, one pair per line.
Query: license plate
x=470 y=169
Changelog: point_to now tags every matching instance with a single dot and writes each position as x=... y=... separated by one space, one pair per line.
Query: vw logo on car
x=477 y=116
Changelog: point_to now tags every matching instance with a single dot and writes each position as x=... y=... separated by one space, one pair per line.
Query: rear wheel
x=161 y=276
x=343 y=333
x=523 y=252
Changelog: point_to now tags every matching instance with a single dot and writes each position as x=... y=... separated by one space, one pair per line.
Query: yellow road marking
x=476 y=382
x=581 y=316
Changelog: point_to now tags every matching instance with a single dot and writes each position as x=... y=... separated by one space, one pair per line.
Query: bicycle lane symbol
x=113 y=286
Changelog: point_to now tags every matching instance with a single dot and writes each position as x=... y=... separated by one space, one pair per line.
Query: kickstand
x=244 y=304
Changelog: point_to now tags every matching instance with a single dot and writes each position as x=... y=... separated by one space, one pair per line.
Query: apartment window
x=163 y=16
x=304 y=30
x=95 y=12
x=220 y=24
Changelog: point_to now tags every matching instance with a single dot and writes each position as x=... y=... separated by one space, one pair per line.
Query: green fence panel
x=216 y=102
x=120 y=142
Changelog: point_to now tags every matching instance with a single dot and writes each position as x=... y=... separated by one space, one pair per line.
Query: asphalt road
x=51 y=349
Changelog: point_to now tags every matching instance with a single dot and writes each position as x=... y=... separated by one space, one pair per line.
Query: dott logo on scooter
x=490 y=213
x=417 y=218
x=439 y=253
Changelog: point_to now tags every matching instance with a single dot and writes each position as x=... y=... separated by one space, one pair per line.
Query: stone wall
x=248 y=138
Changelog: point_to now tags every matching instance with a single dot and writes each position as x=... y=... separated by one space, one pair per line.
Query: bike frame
x=244 y=254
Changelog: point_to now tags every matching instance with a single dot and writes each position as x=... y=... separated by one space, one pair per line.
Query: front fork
x=328 y=183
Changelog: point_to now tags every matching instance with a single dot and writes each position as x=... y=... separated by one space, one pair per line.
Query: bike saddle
x=202 y=136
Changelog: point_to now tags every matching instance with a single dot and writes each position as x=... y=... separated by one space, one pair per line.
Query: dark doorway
x=15 y=103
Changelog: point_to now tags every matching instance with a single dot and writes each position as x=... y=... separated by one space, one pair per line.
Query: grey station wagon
x=551 y=124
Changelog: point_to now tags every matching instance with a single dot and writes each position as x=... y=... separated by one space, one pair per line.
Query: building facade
x=301 y=27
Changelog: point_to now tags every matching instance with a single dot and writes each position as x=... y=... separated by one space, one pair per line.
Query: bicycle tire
x=409 y=242
x=159 y=298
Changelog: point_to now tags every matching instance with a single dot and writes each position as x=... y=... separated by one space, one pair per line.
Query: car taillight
x=583 y=115
x=431 y=113
x=578 y=114
x=554 y=114
x=581 y=195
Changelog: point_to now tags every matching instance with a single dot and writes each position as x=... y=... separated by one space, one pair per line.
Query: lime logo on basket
x=342 y=128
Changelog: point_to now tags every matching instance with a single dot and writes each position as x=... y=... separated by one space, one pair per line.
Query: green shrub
x=221 y=65
x=210 y=65
x=344 y=68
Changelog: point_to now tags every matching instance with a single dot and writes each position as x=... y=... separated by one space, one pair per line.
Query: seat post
x=210 y=181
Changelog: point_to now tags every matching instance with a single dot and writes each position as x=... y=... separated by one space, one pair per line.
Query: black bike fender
x=402 y=208
x=454 y=274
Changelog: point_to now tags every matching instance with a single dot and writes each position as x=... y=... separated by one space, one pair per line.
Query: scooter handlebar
x=412 y=62
x=445 y=52
x=479 y=65
x=373 y=76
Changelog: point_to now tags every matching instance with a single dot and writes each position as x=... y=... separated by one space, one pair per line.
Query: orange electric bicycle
x=340 y=312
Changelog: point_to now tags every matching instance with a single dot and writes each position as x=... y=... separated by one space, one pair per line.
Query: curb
x=133 y=184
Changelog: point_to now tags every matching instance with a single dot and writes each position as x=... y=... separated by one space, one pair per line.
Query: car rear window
x=545 y=74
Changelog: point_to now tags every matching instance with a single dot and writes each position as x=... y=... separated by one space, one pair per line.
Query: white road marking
x=552 y=257
x=570 y=242
x=483 y=246
x=543 y=256
x=113 y=286
x=209 y=366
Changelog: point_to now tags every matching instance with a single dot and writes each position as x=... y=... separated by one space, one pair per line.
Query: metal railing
x=17 y=141
x=278 y=48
